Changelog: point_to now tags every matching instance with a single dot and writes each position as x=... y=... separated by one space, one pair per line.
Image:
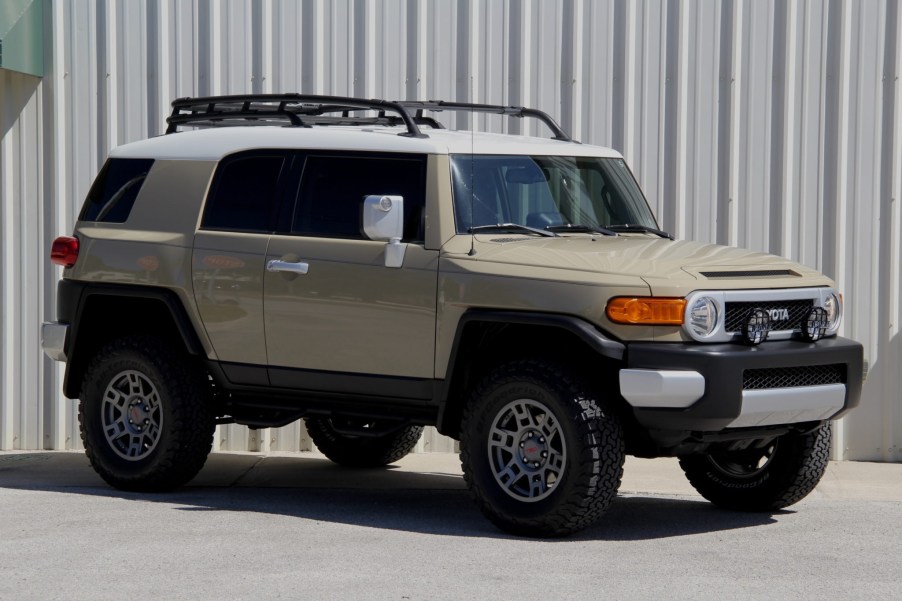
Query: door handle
x=288 y=267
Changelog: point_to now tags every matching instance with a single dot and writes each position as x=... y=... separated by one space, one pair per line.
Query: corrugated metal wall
x=771 y=125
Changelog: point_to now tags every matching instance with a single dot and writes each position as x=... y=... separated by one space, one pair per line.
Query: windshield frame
x=590 y=191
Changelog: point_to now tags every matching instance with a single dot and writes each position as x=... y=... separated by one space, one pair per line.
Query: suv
x=354 y=264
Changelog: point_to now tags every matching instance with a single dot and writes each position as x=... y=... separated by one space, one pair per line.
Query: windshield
x=546 y=191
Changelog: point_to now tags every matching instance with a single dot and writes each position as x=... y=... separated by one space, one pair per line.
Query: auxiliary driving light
x=815 y=326
x=756 y=327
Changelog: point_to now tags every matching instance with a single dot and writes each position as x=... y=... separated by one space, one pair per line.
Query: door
x=240 y=214
x=336 y=318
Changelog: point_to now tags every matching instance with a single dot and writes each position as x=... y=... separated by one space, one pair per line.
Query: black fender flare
x=597 y=340
x=73 y=297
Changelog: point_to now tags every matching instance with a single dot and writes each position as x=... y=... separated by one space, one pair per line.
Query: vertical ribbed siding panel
x=891 y=352
x=868 y=222
x=772 y=125
x=20 y=422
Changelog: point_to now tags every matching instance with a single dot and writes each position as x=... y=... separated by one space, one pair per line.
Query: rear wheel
x=541 y=456
x=768 y=478
x=145 y=419
x=357 y=443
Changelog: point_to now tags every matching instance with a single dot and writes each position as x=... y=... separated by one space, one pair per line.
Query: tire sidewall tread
x=362 y=451
x=595 y=450
x=188 y=423
x=798 y=464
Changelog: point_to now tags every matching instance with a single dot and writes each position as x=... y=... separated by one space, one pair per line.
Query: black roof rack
x=496 y=109
x=306 y=110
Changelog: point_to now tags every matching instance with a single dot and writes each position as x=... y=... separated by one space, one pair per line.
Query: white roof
x=215 y=143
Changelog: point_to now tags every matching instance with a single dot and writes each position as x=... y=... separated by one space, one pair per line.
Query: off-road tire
x=183 y=410
x=794 y=466
x=361 y=451
x=584 y=432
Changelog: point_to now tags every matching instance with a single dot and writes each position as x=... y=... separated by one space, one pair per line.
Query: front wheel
x=145 y=419
x=768 y=478
x=541 y=456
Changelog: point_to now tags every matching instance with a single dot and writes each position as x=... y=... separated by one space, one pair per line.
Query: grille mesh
x=792 y=377
x=737 y=312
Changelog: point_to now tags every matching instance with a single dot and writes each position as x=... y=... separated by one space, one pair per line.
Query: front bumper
x=700 y=387
x=53 y=340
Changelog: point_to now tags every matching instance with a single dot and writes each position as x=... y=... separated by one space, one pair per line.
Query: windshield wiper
x=639 y=229
x=509 y=227
x=578 y=228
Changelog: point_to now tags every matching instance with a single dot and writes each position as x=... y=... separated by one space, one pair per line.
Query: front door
x=341 y=321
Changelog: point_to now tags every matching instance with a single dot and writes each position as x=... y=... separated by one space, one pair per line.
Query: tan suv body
x=373 y=279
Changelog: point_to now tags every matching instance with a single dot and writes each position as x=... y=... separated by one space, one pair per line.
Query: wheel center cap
x=533 y=449
x=137 y=413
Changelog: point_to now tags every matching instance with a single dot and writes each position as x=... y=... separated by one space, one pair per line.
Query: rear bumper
x=53 y=340
x=700 y=388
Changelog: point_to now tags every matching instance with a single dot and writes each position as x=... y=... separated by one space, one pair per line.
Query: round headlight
x=833 y=307
x=702 y=317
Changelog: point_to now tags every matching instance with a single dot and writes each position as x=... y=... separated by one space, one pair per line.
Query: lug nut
x=536 y=464
x=544 y=453
x=542 y=439
x=522 y=444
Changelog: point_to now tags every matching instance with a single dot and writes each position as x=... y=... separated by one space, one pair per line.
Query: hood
x=668 y=267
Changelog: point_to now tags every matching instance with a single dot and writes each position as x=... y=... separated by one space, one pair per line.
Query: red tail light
x=64 y=251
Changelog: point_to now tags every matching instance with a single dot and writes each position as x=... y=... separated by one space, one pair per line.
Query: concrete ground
x=296 y=526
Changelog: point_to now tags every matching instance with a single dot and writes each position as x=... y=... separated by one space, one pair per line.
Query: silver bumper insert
x=773 y=406
x=53 y=340
x=668 y=389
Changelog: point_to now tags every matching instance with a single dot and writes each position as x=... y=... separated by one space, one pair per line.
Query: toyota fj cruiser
x=353 y=263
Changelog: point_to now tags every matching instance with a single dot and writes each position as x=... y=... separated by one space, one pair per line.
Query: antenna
x=472 y=175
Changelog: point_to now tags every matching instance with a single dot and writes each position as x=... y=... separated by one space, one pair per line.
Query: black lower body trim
x=259 y=397
x=723 y=367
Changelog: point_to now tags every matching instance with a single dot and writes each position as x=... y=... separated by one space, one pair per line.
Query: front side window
x=333 y=187
x=546 y=191
x=113 y=193
x=244 y=195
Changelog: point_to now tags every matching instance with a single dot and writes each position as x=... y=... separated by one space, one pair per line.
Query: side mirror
x=383 y=219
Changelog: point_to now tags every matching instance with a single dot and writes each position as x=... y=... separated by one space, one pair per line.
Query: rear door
x=229 y=253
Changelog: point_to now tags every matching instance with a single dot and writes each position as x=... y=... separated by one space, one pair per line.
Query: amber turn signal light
x=650 y=311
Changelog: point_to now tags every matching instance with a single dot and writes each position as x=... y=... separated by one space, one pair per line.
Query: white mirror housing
x=383 y=217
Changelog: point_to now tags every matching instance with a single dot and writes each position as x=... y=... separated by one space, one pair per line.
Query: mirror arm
x=394 y=253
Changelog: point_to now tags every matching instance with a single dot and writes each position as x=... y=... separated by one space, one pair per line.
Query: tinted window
x=114 y=191
x=244 y=195
x=333 y=188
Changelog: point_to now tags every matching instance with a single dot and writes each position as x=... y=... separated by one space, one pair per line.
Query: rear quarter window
x=115 y=189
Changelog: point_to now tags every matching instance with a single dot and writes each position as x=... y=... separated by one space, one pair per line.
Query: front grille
x=792 y=377
x=737 y=313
